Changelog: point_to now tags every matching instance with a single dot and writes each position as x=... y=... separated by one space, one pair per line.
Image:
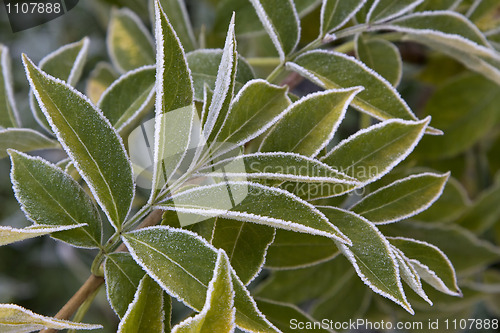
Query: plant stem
x=86 y=290
x=94 y=282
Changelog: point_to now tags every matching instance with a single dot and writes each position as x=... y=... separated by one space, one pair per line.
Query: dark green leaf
x=336 y=13
x=82 y=129
x=49 y=196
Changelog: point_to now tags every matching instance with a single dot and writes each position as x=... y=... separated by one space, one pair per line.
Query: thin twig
x=94 y=282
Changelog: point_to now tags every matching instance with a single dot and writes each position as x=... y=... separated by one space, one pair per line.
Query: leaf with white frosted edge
x=204 y=66
x=292 y=250
x=16 y=319
x=283 y=315
x=431 y=264
x=245 y=244
x=24 y=139
x=82 y=129
x=9 y=116
x=336 y=70
x=278 y=166
x=370 y=254
x=145 y=313
x=122 y=275
x=468 y=253
x=281 y=21
x=385 y=10
x=409 y=274
x=218 y=313
x=100 y=78
x=251 y=202
x=255 y=108
x=129 y=97
x=372 y=152
x=224 y=87
x=179 y=19
x=183 y=264
x=444 y=27
x=382 y=56
x=49 y=196
x=336 y=13
x=10 y=235
x=310 y=123
x=128 y=41
x=65 y=63
x=402 y=199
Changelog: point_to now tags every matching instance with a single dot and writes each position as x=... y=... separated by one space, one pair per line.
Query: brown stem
x=94 y=282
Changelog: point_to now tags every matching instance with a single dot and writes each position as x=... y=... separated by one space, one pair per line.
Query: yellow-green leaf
x=218 y=313
x=10 y=235
x=129 y=42
x=9 y=116
x=100 y=78
x=145 y=313
x=402 y=199
x=371 y=153
x=25 y=140
x=310 y=123
x=16 y=319
x=183 y=264
x=336 y=13
x=384 y=10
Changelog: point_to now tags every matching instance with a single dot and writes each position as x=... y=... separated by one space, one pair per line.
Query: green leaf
x=301 y=285
x=82 y=129
x=218 y=313
x=430 y=263
x=224 y=87
x=174 y=91
x=409 y=274
x=183 y=264
x=10 y=235
x=484 y=213
x=122 y=275
x=204 y=66
x=287 y=316
x=174 y=87
x=371 y=153
x=336 y=13
x=245 y=244
x=129 y=97
x=128 y=41
x=381 y=56
x=370 y=254
x=336 y=70
x=24 y=139
x=402 y=199
x=9 y=116
x=65 y=63
x=277 y=166
x=449 y=206
x=249 y=202
x=16 y=319
x=385 y=10
x=292 y=250
x=310 y=123
x=465 y=108
x=466 y=251
x=257 y=107
x=145 y=313
x=100 y=78
x=179 y=19
x=49 y=196
x=281 y=21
